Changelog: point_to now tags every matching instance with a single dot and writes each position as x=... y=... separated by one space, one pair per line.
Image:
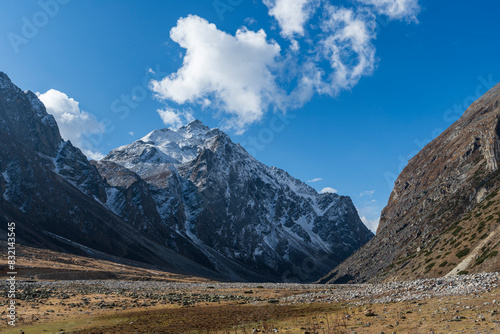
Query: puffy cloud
x=395 y=9
x=174 y=118
x=169 y=117
x=232 y=71
x=348 y=47
x=315 y=180
x=74 y=124
x=372 y=224
x=291 y=14
x=328 y=190
x=243 y=76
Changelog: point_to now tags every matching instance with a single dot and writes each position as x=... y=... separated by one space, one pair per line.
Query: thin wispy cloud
x=250 y=21
x=315 y=180
x=395 y=9
x=348 y=47
x=367 y=193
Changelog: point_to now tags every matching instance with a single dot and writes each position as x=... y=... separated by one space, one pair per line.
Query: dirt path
x=475 y=252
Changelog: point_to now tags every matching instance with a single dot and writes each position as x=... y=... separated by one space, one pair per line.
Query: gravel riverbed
x=467 y=285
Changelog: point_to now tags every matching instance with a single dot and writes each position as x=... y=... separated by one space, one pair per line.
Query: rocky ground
x=467 y=304
x=361 y=294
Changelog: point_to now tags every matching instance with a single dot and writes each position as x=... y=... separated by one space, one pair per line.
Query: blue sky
x=363 y=84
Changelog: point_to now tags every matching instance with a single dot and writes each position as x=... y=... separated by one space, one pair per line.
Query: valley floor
x=467 y=304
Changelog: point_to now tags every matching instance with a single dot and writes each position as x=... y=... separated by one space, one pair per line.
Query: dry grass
x=434 y=315
x=130 y=314
x=45 y=264
x=447 y=250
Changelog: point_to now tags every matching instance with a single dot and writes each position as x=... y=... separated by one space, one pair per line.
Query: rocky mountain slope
x=55 y=196
x=234 y=208
x=443 y=216
x=188 y=200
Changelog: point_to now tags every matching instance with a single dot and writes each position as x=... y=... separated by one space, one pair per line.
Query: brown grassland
x=435 y=315
x=218 y=308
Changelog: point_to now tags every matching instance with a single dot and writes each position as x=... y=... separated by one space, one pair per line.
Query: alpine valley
x=189 y=201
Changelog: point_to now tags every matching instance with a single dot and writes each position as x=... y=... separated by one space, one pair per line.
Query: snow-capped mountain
x=188 y=201
x=232 y=207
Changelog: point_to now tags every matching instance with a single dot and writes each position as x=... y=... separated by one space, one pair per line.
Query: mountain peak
x=165 y=146
x=23 y=115
x=231 y=206
x=4 y=80
x=192 y=130
x=196 y=125
x=4 y=77
x=196 y=122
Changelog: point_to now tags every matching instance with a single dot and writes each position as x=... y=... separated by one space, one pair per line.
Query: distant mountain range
x=443 y=216
x=189 y=200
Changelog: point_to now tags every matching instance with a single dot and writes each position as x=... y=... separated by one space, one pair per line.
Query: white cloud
x=232 y=71
x=93 y=154
x=348 y=47
x=371 y=224
x=131 y=133
x=294 y=45
x=169 y=117
x=174 y=118
x=328 y=190
x=367 y=193
x=315 y=180
x=250 y=21
x=291 y=14
x=241 y=77
x=395 y=9
x=74 y=124
x=369 y=211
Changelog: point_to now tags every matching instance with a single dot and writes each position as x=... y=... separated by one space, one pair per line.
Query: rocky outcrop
x=434 y=192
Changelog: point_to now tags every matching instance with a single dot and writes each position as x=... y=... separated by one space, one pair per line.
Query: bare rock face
x=189 y=200
x=55 y=196
x=436 y=190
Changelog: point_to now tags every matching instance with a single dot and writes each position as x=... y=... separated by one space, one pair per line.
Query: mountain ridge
x=190 y=201
x=200 y=162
